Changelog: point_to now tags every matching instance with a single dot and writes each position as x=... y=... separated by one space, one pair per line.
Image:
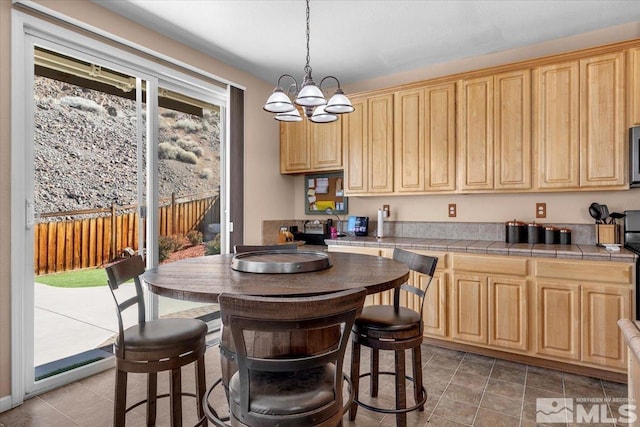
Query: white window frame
x=27 y=32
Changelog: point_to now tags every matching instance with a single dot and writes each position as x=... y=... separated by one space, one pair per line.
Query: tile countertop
x=587 y=252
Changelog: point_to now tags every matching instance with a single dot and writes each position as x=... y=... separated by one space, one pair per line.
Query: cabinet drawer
x=490 y=264
x=592 y=271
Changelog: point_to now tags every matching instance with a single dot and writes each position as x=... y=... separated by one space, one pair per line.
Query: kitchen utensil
x=616 y=216
x=595 y=212
x=605 y=213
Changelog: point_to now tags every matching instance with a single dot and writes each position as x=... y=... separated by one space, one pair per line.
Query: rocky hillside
x=85 y=149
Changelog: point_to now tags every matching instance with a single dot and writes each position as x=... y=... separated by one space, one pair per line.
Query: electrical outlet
x=453 y=211
x=541 y=210
x=386 y=211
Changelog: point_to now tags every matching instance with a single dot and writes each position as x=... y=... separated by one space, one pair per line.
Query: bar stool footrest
x=394 y=410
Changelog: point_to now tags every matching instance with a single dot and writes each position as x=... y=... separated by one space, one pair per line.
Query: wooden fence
x=94 y=241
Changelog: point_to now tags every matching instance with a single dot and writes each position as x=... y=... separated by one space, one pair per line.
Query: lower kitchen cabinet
x=558 y=310
x=469 y=309
x=508 y=313
x=602 y=307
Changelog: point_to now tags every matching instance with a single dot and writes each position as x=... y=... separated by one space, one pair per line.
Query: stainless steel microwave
x=634 y=156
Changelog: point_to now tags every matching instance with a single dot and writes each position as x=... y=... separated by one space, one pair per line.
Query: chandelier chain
x=307 y=68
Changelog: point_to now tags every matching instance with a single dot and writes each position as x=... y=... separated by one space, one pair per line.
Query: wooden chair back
x=119 y=273
x=249 y=315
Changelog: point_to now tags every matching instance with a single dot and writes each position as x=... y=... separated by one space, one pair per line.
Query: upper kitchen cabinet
x=557 y=125
x=310 y=147
x=424 y=152
x=580 y=123
x=494 y=128
x=634 y=86
x=475 y=134
x=367 y=136
x=603 y=131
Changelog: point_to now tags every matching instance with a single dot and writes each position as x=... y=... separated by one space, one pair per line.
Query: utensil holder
x=607 y=234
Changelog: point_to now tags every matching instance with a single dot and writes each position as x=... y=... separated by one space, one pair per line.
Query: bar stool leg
x=375 y=368
x=120 y=398
x=201 y=387
x=417 y=376
x=176 y=398
x=355 y=379
x=401 y=388
x=152 y=393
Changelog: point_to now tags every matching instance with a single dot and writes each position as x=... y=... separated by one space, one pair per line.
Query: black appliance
x=632 y=243
x=358 y=225
x=634 y=156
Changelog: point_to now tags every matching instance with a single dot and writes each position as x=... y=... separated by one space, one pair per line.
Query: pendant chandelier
x=309 y=96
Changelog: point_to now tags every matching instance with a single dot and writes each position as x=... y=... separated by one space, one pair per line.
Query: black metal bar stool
x=395 y=328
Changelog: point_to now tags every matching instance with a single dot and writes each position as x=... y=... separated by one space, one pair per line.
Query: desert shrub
x=206 y=173
x=167 y=245
x=168 y=113
x=83 y=104
x=167 y=150
x=194 y=237
x=190 y=146
x=213 y=246
x=187 y=157
x=188 y=126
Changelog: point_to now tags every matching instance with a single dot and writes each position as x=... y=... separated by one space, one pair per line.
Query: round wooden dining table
x=203 y=279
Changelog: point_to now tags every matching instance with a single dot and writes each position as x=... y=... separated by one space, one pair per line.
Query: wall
x=266 y=191
x=561 y=207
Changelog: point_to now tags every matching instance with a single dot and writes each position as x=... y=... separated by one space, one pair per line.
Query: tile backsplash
x=581 y=234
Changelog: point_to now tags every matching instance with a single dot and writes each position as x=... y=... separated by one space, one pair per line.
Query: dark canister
x=551 y=235
x=535 y=233
x=565 y=236
x=516 y=232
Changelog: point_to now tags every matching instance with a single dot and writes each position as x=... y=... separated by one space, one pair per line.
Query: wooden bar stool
x=396 y=328
x=153 y=346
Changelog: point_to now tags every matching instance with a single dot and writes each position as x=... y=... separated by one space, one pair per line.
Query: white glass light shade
x=310 y=96
x=339 y=104
x=278 y=102
x=321 y=116
x=289 y=116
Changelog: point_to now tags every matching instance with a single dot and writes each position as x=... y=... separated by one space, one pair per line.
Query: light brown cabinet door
x=508 y=316
x=440 y=137
x=557 y=310
x=512 y=130
x=325 y=141
x=602 y=307
x=410 y=156
x=380 y=152
x=469 y=309
x=295 y=149
x=355 y=136
x=557 y=126
x=475 y=134
x=425 y=139
x=434 y=313
x=602 y=118
x=634 y=86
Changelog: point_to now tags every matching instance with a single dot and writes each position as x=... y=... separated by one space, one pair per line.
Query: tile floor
x=464 y=390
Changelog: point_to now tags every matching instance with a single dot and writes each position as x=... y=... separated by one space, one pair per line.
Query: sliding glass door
x=115 y=156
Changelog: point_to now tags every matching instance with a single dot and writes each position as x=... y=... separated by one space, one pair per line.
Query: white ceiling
x=360 y=39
